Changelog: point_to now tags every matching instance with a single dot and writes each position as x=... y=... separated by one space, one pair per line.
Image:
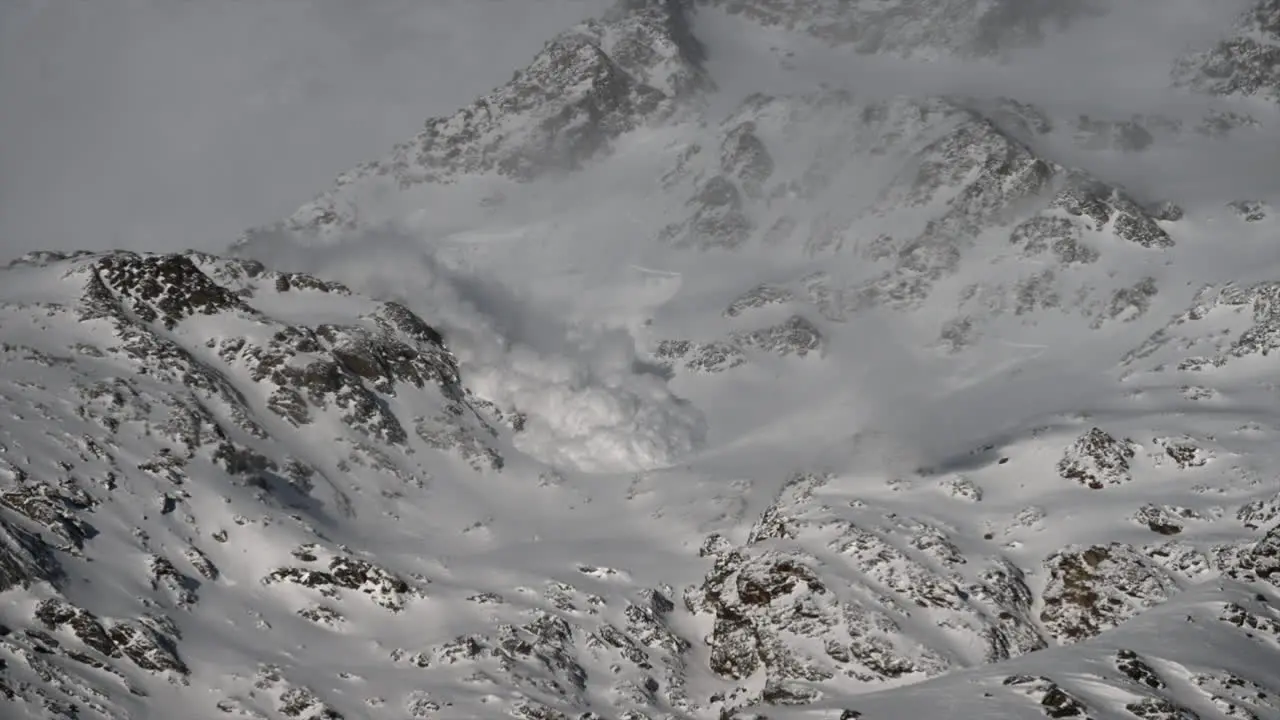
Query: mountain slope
x=641 y=388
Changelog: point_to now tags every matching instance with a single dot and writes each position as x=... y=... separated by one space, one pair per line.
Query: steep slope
x=624 y=393
x=174 y=530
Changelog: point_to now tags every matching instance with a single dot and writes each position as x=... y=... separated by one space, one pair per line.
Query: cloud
x=158 y=125
x=589 y=404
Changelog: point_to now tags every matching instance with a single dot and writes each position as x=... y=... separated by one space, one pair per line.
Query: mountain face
x=1243 y=64
x=633 y=390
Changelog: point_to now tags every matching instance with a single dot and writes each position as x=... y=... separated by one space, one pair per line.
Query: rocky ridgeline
x=165 y=382
x=1223 y=326
x=182 y=398
x=912 y=192
x=545 y=656
x=826 y=596
x=587 y=87
x=1091 y=590
x=821 y=593
x=1245 y=64
x=795 y=336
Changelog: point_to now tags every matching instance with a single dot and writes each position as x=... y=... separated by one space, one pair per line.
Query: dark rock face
x=1260 y=560
x=1151 y=708
x=1086 y=197
x=545 y=653
x=382 y=586
x=169 y=288
x=25 y=558
x=804 y=622
x=1094 y=589
x=149 y=643
x=794 y=336
x=1137 y=670
x=758 y=297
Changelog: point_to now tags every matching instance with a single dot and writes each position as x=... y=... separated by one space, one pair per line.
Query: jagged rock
x=773 y=604
x=1253 y=314
x=758 y=297
x=53 y=508
x=1182 y=559
x=1150 y=708
x=1097 y=459
x=180 y=588
x=168 y=288
x=383 y=587
x=150 y=643
x=1250 y=210
x=1184 y=452
x=1167 y=211
x=758 y=600
x=1137 y=670
x=1086 y=197
x=1251 y=623
x=1166 y=520
x=25 y=558
x=963 y=488
x=795 y=336
x=709 y=357
x=292 y=700
x=201 y=563
x=1259 y=513
x=1236 y=697
x=1261 y=559
x=1094 y=589
x=546 y=653
x=322 y=615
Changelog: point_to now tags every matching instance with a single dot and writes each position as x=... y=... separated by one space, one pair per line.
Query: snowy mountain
x=736 y=359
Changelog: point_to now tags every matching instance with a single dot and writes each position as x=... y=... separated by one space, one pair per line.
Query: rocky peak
x=588 y=85
x=165 y=287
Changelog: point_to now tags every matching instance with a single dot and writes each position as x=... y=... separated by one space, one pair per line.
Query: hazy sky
x=177 y=123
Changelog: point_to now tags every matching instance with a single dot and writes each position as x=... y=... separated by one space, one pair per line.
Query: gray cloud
x=154 y=124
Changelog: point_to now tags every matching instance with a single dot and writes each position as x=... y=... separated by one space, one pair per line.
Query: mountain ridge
x=613 y=395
